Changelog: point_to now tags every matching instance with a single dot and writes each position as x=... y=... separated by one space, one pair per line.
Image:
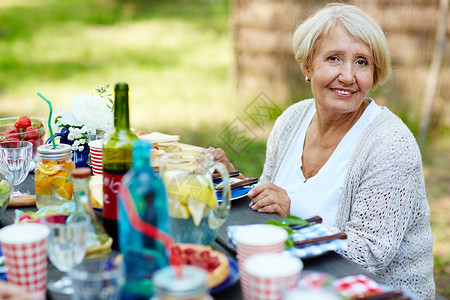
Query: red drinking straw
x=150 y=230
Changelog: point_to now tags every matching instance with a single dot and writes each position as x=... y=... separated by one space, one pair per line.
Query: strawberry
x=14 y=130
x=12 y=133
x=23 y=122
x=31 y=133
x=34 y=142
x=13 y=142
x=39 y=125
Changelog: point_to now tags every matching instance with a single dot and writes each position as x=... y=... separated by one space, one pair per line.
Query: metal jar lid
x=61 y=151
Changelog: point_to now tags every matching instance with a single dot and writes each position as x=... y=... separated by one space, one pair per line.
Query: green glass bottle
x=117 y=158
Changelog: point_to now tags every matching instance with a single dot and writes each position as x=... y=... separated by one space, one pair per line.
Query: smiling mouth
x=342 y=92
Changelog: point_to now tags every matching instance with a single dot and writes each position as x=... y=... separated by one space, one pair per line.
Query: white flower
x=92 y=112
x=85 y=116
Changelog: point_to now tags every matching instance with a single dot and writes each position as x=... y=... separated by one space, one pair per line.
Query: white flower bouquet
x=87 y=115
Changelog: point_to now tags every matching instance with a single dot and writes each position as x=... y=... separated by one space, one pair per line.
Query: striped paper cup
x=96 y=147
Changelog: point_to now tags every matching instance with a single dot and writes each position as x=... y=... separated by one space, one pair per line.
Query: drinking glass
x=16 y=157
x=66 y=247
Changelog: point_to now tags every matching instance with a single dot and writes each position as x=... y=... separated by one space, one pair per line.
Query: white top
x=309 y=198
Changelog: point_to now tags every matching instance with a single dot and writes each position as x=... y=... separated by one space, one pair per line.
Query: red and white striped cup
x=271 y=275
x=257 y=239
x=96 y=148
x=25 y=250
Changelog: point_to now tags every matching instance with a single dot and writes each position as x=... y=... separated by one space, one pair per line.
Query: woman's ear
x=306 y=72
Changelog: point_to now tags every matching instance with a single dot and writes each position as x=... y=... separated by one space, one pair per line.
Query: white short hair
x=358 y=24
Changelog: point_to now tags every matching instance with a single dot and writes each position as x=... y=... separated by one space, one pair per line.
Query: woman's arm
x=387 y=199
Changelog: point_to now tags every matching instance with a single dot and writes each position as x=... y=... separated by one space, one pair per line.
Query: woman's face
x=341 y=72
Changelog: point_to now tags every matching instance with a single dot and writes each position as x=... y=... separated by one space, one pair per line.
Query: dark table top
x=240 y=214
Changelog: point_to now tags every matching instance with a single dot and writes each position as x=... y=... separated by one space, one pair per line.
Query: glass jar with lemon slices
x=53 y=175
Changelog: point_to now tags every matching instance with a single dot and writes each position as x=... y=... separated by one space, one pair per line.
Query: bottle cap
x=81 y=173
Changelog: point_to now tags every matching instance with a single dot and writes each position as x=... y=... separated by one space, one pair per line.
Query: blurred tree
x=265 y=63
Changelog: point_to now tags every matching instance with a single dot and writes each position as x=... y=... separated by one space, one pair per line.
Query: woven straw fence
x=263 y=31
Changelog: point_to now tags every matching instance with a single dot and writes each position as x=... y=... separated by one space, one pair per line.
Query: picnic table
x=240 y=214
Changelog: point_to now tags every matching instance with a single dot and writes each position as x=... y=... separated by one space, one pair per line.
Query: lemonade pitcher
x=194 y=211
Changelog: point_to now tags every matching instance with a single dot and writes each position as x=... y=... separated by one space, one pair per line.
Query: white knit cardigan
x=383 y=207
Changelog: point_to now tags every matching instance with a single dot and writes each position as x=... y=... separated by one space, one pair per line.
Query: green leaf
x=280 y=224
x=293 y=220
x=273 y=222
x=289 y=243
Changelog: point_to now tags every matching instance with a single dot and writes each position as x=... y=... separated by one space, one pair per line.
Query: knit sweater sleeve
x=386 y=216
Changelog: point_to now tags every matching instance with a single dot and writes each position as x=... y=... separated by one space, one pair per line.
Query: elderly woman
x=343 y=157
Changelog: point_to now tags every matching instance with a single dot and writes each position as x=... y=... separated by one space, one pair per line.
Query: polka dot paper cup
x=257 y=239
x=271 y=275
x=25 y=249
x=96 y=148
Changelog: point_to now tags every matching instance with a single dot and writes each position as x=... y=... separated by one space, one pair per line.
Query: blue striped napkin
x=315 y=231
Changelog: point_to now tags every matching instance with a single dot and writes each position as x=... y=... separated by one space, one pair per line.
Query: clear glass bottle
x=53 y=175
x=142 y=255
x=191 y=285
x=117 y=147
x=98 y=241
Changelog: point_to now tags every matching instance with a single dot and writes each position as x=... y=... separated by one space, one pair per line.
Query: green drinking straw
x=49 y=119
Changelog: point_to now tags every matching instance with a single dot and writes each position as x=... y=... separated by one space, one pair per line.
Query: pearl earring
x=307 y=79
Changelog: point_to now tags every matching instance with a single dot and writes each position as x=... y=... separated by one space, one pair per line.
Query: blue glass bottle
x=142 y=255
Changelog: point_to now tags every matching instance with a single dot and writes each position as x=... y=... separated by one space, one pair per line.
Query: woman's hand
x=11 y=291
x=220 y=156
x=269 y=198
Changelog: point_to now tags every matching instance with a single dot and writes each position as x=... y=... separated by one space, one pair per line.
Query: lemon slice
x=176 y=187
x=178 y=211
x=59 y=179
x=50 y=168
x=65 y=191
x=197 y=210
x=200 y=190
x=96 y=190
x=186 y=189
x=43 y=190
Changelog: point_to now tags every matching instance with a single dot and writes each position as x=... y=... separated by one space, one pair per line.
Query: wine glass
x=15 y=156
x=66 y=247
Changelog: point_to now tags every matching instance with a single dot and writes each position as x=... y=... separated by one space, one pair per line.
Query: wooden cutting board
x=29 y=200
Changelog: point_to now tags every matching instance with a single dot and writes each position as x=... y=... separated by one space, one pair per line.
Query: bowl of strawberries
x=31 y=129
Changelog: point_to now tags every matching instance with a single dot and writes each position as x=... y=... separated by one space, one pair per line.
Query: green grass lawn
x=177 y=57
